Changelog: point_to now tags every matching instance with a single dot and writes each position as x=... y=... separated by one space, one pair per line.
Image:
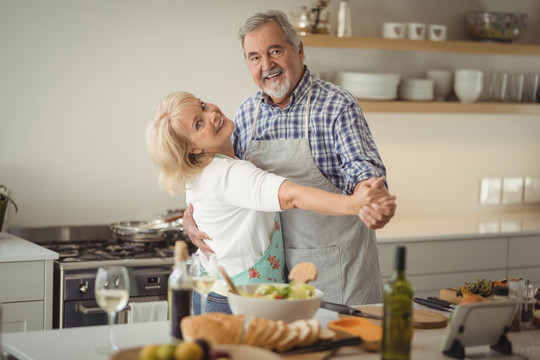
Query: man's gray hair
x=256 y=21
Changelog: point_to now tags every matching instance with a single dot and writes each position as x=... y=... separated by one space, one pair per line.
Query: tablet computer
x=481 y=323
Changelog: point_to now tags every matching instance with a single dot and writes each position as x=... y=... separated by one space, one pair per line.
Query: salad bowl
x=296 y=305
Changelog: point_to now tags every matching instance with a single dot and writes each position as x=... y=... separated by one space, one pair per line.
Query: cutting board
x=251 y=354
x=423 y=319
x=449 y=294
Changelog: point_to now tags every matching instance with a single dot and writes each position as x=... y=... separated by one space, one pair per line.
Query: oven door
x=88 y=313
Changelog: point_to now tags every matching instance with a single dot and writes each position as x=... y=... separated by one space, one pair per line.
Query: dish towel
x=147 y=311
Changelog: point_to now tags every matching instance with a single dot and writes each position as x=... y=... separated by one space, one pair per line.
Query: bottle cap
x=500 y=290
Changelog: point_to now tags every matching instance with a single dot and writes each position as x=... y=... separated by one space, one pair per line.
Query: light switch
x=512 y=190
x=531 y=192
x=490 y=191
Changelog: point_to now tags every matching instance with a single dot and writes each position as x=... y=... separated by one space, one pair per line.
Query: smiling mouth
x=220 y=124
x=272 y=73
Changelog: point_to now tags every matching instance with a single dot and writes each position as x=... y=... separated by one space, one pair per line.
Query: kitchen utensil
x=423 y=319
x=140 y=231
x=436 y=32
x=323 y=346
x=431 y=304
x=158 y=223
x=416 y=31
x=287 y=310
x=468 y=84
x=496 y=26
x=393 y=30
x=223 y=273
x=530 y=88
x=344 y=28
x=348 y=310
x=417 y=89
x=442 y=83
x=303 y=272
x=444 y=303
x=515 y=87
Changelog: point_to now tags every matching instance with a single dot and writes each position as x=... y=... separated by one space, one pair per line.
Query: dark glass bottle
x=398 y=312
x=180 y=289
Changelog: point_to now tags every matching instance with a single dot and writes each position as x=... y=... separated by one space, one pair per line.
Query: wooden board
x=237 y=353
x=423 y=319
x=449 y=294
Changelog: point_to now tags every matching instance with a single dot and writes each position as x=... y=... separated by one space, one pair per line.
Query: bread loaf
x=218 y=328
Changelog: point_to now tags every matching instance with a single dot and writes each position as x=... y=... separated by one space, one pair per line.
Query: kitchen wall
x=80 y=79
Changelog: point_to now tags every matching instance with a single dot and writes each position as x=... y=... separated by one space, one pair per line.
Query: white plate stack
x=416 y=89
x=370 y=86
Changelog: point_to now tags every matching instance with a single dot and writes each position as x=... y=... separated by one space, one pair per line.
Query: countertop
x=460 y=226
x=13 y=248
x=81 y=343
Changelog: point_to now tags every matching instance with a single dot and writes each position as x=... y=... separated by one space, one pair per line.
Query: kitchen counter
x=460 y=226
x=81 y=343
x=13 y=248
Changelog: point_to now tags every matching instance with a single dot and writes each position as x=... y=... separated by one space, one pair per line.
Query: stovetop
x=91 y=245
x=110 y=250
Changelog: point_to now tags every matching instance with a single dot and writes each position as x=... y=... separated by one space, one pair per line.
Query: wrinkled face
x=276 y=68
x=205 y=126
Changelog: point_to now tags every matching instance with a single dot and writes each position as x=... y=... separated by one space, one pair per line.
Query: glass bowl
x=496 y=26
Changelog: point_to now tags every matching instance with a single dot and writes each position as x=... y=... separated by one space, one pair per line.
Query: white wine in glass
x=112 y=295
x=204 y=273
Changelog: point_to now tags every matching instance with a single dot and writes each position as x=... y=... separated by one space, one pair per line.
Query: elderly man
x=313 y=133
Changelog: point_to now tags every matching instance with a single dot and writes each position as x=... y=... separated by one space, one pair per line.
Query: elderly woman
x=235 y=203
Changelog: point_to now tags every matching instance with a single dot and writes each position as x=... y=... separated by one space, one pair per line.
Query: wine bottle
x=180 y=289
x=398 y=312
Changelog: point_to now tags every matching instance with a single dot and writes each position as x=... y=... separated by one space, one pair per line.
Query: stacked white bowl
x=416 y=89
x=370 y=86
x=468 y=84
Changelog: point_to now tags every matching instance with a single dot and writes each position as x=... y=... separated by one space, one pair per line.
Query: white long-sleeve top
x=234 y=202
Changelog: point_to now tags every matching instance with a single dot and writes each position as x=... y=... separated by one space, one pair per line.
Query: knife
x=323 y=346
x=431 y=304
x=348 y=310
x=444 y=303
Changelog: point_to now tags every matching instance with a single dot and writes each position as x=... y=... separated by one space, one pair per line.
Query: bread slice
x=290 y=339
x=257 y=327
x=316 y=328
x=304 y=332
x=279 y=334
x=264 y=338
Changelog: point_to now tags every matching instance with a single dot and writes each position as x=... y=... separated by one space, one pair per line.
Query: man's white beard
x=278 y=91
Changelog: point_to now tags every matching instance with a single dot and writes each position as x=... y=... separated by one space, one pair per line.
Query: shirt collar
x=299 y=92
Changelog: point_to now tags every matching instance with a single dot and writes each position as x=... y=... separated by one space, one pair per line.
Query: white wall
x=79 y=80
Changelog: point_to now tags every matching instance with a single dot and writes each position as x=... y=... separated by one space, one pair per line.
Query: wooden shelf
x=448 y=107
x=475 y=47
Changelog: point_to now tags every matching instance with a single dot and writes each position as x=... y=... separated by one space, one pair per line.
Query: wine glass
x=112 y=295
x=204 y=273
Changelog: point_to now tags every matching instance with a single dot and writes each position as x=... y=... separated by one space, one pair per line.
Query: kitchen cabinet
x=474 y=47
x=524 y=258
x=26 y=285
x=432 y=265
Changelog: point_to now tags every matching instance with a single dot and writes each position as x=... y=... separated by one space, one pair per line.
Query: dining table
x=81 y=343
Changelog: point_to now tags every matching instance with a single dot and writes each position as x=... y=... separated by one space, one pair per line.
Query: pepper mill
x=344 y=28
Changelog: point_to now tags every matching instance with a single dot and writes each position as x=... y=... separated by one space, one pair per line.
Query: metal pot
x=149 y=231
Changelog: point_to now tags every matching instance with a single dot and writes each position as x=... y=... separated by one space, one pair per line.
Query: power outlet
x=512 y=192
x=531 y=192
x=490 y=191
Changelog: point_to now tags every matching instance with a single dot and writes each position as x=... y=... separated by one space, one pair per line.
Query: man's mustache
x=272 y=72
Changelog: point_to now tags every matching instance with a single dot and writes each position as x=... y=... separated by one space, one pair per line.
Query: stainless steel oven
x=82 y=250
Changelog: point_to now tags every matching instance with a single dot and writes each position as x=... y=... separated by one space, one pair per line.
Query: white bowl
x=371 y=78
x=468 y=84
x=443 y=81
x=273 y=309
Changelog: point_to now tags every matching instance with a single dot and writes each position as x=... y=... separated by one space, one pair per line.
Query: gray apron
x=342 y=247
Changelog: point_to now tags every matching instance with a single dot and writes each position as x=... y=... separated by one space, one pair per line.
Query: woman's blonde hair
x=169 y=149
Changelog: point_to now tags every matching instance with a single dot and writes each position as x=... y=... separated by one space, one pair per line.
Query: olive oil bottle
x=398 y=312
x=180 y=289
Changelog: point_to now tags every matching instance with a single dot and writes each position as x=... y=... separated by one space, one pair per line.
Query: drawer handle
x=98 y=310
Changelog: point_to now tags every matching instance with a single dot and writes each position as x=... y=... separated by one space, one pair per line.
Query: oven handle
x=98 y=310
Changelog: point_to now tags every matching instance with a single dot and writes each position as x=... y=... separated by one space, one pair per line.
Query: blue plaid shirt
x=341 y=142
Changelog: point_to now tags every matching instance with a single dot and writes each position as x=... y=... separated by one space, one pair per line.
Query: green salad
x=291 y=291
